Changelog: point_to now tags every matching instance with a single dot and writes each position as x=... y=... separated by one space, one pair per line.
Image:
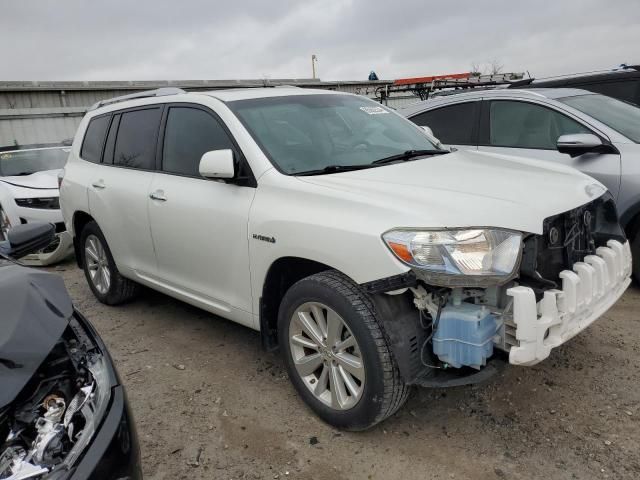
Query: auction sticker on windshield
x=373 y=110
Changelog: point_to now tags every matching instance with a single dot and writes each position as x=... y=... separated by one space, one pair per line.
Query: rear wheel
x=100 y=269
x=336 y=352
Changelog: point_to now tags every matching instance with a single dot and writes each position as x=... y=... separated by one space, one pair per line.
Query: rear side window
x=135 y=145
x=526 y=125
x=452 y=125
x=94 y=139
x=190 y=132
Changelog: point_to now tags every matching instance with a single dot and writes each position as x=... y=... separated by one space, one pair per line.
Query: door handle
x=99 y=184
x=158 y=195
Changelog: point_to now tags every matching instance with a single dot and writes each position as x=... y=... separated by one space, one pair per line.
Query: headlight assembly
x=458 y=257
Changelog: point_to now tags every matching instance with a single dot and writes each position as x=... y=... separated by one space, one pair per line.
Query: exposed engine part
x=465 y=335
x=44 y=424
x=424 y=300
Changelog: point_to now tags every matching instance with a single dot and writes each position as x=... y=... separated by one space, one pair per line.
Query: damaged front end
x=457 y=322
x=63 y=413
x=55 y=416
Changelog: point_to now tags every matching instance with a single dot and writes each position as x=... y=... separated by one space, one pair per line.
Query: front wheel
x=336 y=353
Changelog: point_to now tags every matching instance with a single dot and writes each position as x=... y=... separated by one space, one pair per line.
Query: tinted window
x=107 y=157
x=189 y=134
x=94 y=139
x=526 y=125
x=452 y=125
x=136 y=142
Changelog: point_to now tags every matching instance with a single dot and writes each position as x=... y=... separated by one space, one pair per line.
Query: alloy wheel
x=326 y=355
x=97 y=264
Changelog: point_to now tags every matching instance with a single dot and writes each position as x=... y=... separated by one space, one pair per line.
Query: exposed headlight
x=458 y=257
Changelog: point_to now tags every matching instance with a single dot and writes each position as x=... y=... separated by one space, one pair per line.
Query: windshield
x=302 y=133
x=621 y=116
x=26 y=162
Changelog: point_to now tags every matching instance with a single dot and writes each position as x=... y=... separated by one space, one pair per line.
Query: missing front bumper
x=587 y=292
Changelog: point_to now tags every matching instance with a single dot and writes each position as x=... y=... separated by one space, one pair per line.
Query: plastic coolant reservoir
x=465 y=335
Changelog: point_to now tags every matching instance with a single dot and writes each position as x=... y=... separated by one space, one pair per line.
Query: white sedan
x=29 y=192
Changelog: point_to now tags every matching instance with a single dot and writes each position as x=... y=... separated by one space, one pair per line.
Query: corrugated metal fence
x=49 y=112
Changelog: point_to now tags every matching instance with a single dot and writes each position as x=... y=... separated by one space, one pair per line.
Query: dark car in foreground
x=63 y=411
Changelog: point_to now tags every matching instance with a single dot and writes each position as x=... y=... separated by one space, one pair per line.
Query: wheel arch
x=80 y=219
x=281 y=275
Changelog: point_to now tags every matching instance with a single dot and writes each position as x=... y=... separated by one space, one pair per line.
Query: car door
x=455 y=125
x=199 y=226
x=529 y=129
x=119 y=185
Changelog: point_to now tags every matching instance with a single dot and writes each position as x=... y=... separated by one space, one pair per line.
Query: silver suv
x=596 y=134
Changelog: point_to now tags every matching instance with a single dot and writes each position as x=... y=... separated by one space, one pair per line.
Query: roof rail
x=158 y=92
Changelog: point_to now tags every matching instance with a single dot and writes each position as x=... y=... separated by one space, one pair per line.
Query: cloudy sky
x=214 y=39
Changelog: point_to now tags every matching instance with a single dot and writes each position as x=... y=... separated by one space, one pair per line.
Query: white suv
x=337 y=229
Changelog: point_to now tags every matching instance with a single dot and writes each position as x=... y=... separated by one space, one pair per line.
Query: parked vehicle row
x=596 y=134
x=373 y=258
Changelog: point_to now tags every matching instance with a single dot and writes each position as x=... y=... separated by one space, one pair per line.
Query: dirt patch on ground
x=209 y=403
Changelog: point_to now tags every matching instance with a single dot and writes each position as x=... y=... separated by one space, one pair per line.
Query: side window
x=452 y=125
x=527 y=125
x=135 y=145
x=107 y=157
x=190 y=132
x=94 y=139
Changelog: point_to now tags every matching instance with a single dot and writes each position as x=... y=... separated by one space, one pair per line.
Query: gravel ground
x=210 y=404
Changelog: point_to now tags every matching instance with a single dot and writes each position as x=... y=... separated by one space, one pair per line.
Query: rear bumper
x=587 y=292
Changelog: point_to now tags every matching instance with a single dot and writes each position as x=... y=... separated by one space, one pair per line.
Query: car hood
x=45 y=180
x=35 y=312
x=464 y=189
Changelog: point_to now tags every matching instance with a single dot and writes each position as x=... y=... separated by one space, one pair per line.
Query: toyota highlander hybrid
x=372 y=258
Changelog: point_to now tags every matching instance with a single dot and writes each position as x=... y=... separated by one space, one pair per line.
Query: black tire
x=635 y=255
x=121 y=289
x=384 y=391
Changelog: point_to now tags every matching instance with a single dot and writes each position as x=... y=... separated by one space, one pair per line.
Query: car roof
x=233 y=94
x=550 y=93
x=225 y=95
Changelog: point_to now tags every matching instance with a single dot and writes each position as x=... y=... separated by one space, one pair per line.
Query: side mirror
x=217 y=164
x=577 y=144
x=27 y=238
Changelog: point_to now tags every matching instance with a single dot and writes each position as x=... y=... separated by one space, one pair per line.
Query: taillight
x=60 y=178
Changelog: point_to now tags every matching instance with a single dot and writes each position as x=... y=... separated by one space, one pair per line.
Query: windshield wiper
x=408 y=155
x=334 y=169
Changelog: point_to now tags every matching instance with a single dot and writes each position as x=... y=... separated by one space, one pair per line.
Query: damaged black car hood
x=34 y=311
